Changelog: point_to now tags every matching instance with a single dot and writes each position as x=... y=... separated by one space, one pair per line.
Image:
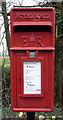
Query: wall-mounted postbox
x=32 y=59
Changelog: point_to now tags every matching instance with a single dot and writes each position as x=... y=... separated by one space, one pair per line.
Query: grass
x=1 y=60
x=58 y=112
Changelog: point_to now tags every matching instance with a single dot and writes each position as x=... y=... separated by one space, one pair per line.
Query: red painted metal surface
x=32 y=30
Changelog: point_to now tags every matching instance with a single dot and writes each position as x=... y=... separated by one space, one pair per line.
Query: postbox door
x=37 y=98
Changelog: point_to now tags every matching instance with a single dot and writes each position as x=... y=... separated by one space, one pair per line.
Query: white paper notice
x=32 y=77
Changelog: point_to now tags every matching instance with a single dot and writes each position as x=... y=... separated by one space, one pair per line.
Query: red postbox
x=32 y=59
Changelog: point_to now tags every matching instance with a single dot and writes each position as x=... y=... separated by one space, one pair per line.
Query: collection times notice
x=32 y=77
